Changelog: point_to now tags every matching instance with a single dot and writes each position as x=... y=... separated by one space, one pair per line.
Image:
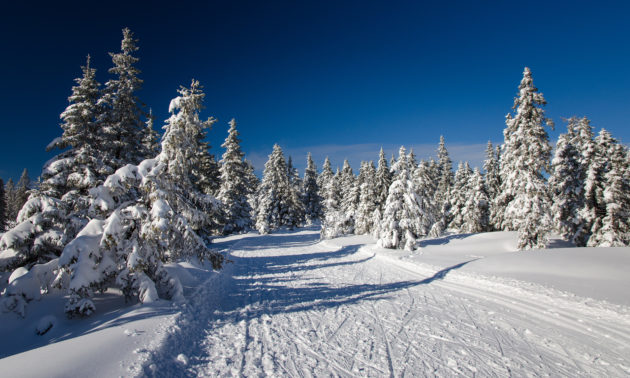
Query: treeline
x=583 y=193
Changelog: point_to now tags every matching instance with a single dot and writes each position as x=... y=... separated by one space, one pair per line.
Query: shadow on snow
x=260 y=285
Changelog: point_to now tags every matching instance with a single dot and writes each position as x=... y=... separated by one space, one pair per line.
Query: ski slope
x=290 y=305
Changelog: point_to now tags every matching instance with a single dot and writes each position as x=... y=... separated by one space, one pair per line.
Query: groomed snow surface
x=292 y=305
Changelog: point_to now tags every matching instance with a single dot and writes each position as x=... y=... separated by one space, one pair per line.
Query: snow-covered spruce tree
x=382 y=181
x=342 y=221
x=151 y=212
x=57 y=210
x=425 y=187
x=525 y=159
x=328 y=189
x=402 y=219
x=492 y=180
x=368 y=202
x=150 y=137
x=122 y=130
x=22 y=189
x=608 y=192
x=3 y=207
x=476 y=211
x=234 y=185
x=9 y=198
x=458 y=196
x=566 y=186
x=594 y=209
x=580 y=135
x=296 y=211
x=253 y=182
x=310 y=192
x=277 y=200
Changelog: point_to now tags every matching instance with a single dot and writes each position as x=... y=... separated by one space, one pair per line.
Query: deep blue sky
x=338 y=78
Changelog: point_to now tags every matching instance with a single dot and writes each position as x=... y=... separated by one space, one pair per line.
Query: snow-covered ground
x=292 y=305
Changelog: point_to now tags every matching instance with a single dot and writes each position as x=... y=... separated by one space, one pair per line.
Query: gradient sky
x=336 y=78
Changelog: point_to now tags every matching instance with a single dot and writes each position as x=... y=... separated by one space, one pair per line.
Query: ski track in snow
x=291 y=305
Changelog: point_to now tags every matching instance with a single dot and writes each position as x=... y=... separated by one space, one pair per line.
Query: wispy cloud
x=356 y=153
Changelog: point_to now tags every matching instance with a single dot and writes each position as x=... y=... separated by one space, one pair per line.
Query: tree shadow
x=442 y=273
x=263 y=285
x=442 y=240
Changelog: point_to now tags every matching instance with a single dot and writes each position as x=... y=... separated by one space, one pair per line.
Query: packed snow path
x=290 y=305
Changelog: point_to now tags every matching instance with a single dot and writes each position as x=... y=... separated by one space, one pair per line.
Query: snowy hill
x=292 y=305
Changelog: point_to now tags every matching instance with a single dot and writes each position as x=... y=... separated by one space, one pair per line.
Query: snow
x=291 y=304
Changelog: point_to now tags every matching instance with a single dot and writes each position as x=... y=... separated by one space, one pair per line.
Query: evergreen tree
x=525 y=158
x=150 y=137
x=368 y=203
x=297 y=211
x=328 y=190
x=342 y=221
x=476 y=211
x=59 y=208
x=382 y=181
x=594 y=209
x=205 y=174
x=9 y=198
x=311 y=198
x=492 y=179
x=3 y=207
x=278 y=204
x=613 y=228
x=459 y=196
x=234 y=185
x=122 y=131
x=567 y=189
x=425 y=187
x=349 y=190
x=402 y=220
x=151 y=212
x=22 y=190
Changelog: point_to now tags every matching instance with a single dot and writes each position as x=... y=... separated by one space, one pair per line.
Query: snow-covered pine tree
x=425 y=187
x=11 y=208
x=151 y=212
x=122 y=131
x=205 y=174
x=253 y=182
x=401 y=221
x=382 y=181
x=150 y=137
x=368 y=203
x=607 y=193
x=476 y=211
x=525 y=159
x=580 y=135
x=296 y=209
x=566 y=186
x=3 y=207
x=58 y=209
x=492 y=179
x=234 y=186
x=444 y=179
x=310 y=192
x=328 y=189
x=349 y=190
x=342 y=221
x=22 y=189
x=276 y=196
x=458 y=196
